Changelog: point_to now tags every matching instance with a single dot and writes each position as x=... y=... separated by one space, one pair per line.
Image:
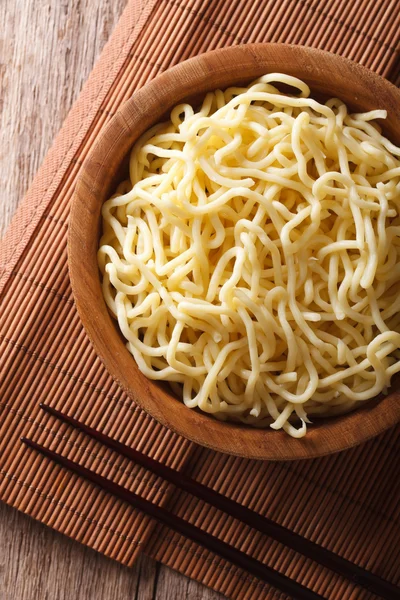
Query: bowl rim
x=330 y=435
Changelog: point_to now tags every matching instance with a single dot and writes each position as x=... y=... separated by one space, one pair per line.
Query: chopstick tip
x=28 y=442
x=49 y=409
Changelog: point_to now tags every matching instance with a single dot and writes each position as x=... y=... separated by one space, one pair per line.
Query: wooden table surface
x=47 y=50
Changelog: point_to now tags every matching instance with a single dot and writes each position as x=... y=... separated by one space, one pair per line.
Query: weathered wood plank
x=47 y=50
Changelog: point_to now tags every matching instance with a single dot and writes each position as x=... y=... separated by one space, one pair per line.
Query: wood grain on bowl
x=327 y=75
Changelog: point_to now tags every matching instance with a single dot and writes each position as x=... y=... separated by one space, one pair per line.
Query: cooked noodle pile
x=253 y=259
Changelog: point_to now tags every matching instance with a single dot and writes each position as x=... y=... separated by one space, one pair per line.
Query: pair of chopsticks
x=317 y=553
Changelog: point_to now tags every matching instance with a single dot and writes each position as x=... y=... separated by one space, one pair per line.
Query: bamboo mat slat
x=348 y=502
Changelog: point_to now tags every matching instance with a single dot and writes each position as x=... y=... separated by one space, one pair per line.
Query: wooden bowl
x=327 y=75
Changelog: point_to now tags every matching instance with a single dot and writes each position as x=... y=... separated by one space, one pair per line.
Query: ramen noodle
x=252 y=259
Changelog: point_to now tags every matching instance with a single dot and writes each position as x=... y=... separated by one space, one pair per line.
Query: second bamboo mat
x=348 y=502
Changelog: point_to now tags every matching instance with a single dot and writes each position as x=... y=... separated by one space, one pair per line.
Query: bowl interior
x=107 y=165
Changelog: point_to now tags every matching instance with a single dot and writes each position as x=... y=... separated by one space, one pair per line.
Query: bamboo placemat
x=348 y=502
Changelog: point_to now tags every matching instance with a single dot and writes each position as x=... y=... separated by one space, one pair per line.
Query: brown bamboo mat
x=348 y=502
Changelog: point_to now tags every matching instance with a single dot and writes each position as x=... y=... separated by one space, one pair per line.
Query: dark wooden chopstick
x=212 y=543
x=332 y=561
